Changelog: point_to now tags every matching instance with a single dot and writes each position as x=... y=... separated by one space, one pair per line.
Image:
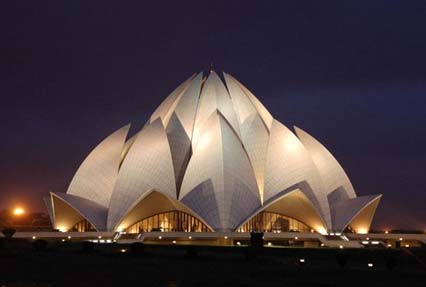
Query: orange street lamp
x=18 y=211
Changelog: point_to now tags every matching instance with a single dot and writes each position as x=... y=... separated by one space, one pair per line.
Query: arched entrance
x=169 y=221
x=273 y=222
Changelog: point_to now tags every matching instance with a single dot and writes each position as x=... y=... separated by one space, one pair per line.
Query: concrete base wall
x=308 y=240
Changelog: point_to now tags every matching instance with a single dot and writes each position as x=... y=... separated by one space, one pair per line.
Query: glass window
x=169 y=221
x=273 y=222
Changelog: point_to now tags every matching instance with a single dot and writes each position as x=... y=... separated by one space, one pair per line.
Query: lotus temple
x=211 y=160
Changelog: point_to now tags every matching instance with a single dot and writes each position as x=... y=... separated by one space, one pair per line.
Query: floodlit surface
x=211 y=158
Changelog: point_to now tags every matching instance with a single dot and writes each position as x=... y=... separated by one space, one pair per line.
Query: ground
x=72 y=264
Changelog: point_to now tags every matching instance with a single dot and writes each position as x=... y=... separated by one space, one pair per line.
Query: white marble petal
x=96 y=176
x=219 y=184
x=147 y=166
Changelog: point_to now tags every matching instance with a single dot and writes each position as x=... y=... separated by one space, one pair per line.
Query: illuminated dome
x=211 y=158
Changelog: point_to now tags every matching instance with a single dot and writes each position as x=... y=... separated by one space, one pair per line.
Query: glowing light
x=362 y=230
x=159 y=237
x=302 y=260
x=322 y=244
x=226 y=237
x=370 y=265
x=321 y=230
x=62 y=229
x=69 y=237
x=295 y=238
x=18 y=211
x=63 y=240
x=386 y=232
x=123 y=250
x=238 y=243
x=407 y=245
x=34 y=237
x=99 y=237
x=269 y=244
x=174 y=241
x=400 y=239
x=341 y=246
x=189 y=237
x=389 y=245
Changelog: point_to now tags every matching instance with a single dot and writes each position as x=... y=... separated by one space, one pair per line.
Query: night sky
x=351 y=74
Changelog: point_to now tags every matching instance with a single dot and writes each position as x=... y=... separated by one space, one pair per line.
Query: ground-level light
x=18 y=211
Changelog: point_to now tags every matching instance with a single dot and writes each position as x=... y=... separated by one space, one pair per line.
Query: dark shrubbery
x=40 y=245
x=250 y=253
x=8 y=232
x=87 y=246
x=137 y=248
x=256 y=239
x=191 y=251
x=391 y=262
x=342 y=259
